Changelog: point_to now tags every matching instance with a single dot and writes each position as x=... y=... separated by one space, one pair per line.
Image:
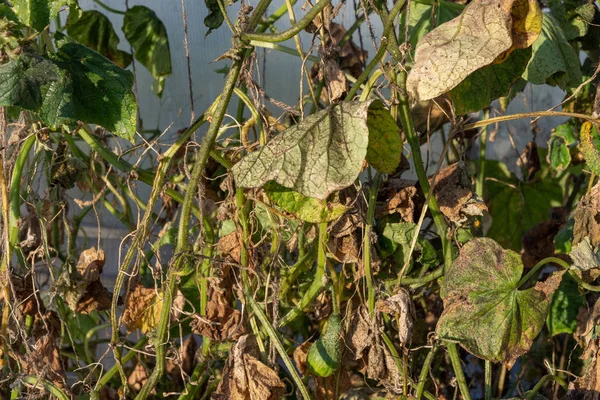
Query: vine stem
x=542 y=382
x=293 y=31
x=504 y=118
x=317 y=283
x=182 y=245
x=482 y=151
x=458 y=371
x=488 y=380
x=367 y=241
x=425 y=372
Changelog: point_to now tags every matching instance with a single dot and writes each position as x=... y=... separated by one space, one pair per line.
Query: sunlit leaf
x=38 y=13
x=75 y=84
x=148 y=37
x=385 y=143
x=321 y=154
x=484 y=309
x=305 y=208
x=454 y=50
x=94 y=30
x=559 y=156
x=554 y=60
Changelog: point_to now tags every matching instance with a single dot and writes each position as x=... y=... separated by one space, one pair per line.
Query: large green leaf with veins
x=75 y=84
x=148 y=37
x=554 y=60
x=484 y=310
x=94 y=30
x=38 y=13
x=324 y=152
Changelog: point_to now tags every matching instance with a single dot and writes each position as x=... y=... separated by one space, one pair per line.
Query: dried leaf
x=96 y=297
x=453 y=190
x=222 y=322
x=452 y=51
x=90 y=264
x=138 y=377
x=585 y=256
x=245 y=377
x=183 y=360
x=587 y=218
x=538 y=242
x=401 y=306
x=400 y=200
x=364 y=344
x=142 y=309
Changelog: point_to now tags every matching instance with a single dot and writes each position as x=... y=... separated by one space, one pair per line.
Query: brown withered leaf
x=27 y=301
x=183 y=360
x=401 y=306
x=587 y=386
x=138 y=377
x=222 y=322
x=399 y=198
x=587 y=218
x=453 y=190
x=538 y=242
x=143 y=306
x=43 y=358
x=90 y=264
x=96 y=297
x=245 y=377
x=365 y=345
x=529 y=160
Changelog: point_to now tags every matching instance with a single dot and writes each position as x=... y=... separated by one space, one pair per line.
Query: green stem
x=534 y=271
x=49 y=386
x=198 y=379
x=108 y=375
x=417 y=281
x=531 y=394
x=488 y=380
x=367 y=241
x=186 y=210
x=268 y=326
x=15 y=192
x=293 y=31
x=300 y=266
x=110 y=9
x=425 y=372
x=482 y=150
x=458 y=371
x=383 y=45
x=317 y=283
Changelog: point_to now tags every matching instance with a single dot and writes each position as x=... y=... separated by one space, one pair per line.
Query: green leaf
x=517 y=206
x=566 y=301
x=305 y=208
x=396 y=239
x=578 y=24
x=385 y=143
x=554 y=60
x=563 y=240
x=94 y=30
x=8 y=13
x=215 y=18
x=483 y=86
x=559 y=156
x=484 y=310
x=567 y=131
x=422 y=16
x=320 y=155
x=38 y=13
x=324 y=356
x=148 y=37
x=77 y=84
